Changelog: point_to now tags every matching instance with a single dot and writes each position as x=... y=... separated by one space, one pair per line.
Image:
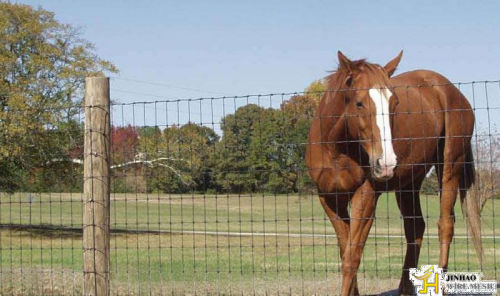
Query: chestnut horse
x=373 y=133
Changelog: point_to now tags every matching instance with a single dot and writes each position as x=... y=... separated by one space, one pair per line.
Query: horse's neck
x=332 y=123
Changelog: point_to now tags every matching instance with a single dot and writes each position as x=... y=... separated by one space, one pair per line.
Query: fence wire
x=212 y=196
x=41 y=179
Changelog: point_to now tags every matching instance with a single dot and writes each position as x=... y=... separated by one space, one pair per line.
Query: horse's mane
x=335 y=80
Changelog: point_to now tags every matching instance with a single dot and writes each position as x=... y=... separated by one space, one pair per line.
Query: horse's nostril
x=379 y=162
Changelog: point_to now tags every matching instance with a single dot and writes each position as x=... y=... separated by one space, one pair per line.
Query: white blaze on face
x=380 y=99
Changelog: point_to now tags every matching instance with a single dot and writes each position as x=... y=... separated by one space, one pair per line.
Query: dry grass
x=38 y=281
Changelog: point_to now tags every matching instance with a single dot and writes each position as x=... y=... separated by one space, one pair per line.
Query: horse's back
x=430 y=109
x=435 y=86
x=419 y=77
x=435 y=89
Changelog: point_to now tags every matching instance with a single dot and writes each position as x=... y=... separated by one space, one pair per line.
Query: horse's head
x=368 y=100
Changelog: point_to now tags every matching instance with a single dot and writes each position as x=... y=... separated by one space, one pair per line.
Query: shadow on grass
x=44 y=230
x=58 y=231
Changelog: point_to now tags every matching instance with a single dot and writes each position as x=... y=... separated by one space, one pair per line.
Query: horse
x=374 y=133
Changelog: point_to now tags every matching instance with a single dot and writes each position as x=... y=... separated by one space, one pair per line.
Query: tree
x=124 y=142
x=264 y=149
x=298 y=113
x=486 y=160
x=304 y=106
x=64 y=170
x=44 y=64
x=265 y=156
x=178 y=159
x=233 y=164
x=195 y=148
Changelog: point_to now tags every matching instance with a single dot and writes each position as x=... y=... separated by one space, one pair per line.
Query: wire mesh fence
x=41 y=200
x=213 y=196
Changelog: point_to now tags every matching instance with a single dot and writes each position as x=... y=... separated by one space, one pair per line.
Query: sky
x=190 y=49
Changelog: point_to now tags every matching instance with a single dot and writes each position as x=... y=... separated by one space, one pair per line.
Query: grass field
x=299 y=256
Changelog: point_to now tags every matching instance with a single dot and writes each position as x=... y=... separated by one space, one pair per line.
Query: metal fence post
x=96 y=187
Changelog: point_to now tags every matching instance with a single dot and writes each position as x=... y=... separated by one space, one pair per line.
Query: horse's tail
x=470 y=206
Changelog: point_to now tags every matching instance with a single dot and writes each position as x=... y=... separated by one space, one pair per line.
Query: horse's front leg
x=362 y=214
x=335 y=206
x=409 y=204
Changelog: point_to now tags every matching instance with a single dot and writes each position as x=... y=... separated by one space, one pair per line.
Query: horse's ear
x=344 y=62
x=393 y=64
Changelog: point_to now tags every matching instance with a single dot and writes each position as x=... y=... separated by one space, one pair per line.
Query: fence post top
x=95 y=78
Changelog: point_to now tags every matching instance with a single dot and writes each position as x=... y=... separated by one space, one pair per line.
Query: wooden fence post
x=96 y=191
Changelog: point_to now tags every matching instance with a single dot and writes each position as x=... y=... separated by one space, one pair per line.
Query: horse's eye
x=359 y=104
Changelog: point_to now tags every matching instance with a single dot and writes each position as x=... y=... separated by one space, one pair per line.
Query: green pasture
x=171 y=254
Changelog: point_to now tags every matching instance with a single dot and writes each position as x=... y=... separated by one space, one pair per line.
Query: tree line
x=259 y=150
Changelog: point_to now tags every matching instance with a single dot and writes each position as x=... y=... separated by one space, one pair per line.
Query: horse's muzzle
x=382 y=170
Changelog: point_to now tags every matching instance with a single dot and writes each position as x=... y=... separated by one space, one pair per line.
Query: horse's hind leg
x=414 y=225
x=449 y=175
x=448 y=197
x=459 y=126
x=335 y=206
